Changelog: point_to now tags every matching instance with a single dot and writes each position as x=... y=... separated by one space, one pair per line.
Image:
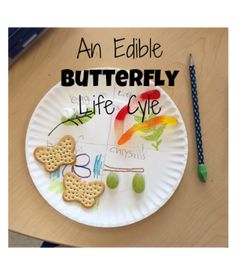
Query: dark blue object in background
x=48 y=245
x=19 y=39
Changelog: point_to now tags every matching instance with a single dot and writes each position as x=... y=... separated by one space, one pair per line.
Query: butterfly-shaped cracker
x=84 y=192
x=54 y=157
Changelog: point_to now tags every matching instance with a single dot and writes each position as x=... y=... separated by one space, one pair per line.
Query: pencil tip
x=190 y=59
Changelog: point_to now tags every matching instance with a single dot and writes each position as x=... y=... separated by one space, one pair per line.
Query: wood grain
x=197 y=214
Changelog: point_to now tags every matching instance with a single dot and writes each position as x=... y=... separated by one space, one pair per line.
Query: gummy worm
x=147 y=124
x=121 y=115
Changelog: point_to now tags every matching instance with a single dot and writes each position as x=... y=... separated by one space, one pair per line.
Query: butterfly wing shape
x=65 y=150
x=81 y=191
x=55 y=156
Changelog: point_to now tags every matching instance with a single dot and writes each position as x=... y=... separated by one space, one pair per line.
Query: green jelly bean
x=138 y=183
x=112 y=180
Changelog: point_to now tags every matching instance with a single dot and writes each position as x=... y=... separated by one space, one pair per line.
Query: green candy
x=138 y=183
x=112 y=180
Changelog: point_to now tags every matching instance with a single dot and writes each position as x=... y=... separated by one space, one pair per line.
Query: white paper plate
x=96 y=144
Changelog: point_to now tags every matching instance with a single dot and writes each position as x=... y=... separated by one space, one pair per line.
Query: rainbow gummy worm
x=120 y=117
x=147 y=124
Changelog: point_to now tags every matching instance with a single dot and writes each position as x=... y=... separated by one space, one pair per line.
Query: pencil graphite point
x=190 y=60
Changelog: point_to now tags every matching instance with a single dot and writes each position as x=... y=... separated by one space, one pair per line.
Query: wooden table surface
x=197 y=214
